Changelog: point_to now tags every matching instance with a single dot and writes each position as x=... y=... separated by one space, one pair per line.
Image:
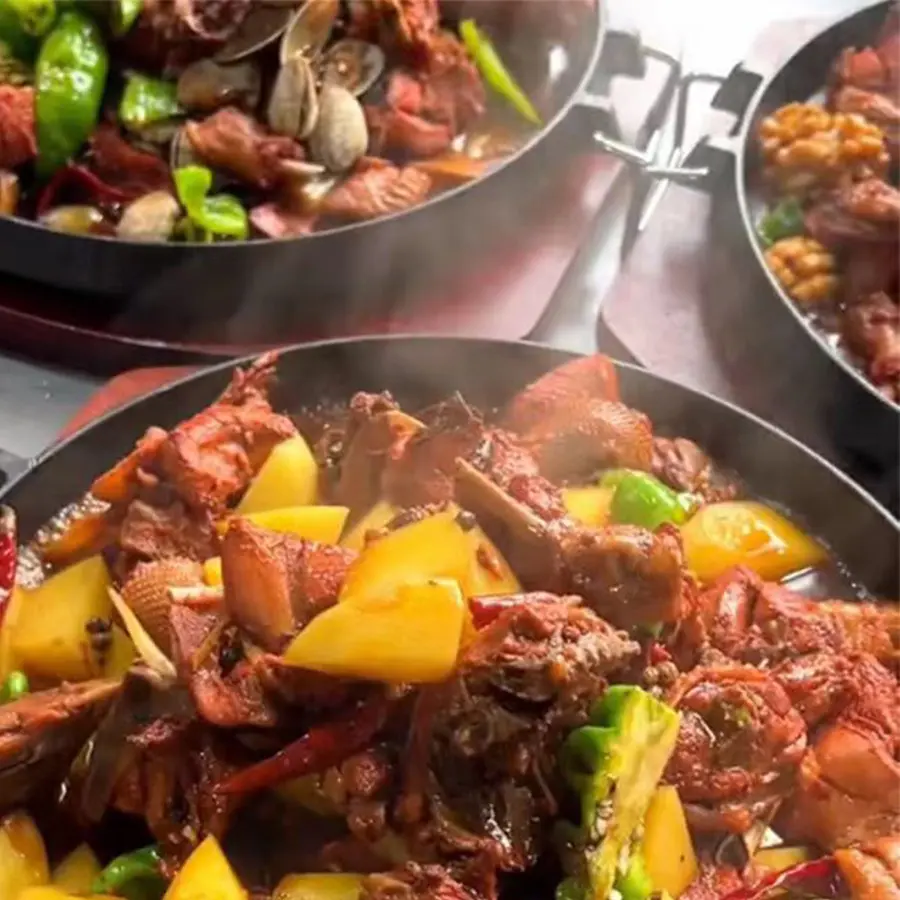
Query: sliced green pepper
x=122 y=14
x=35 y=16
x=782 y=221
x=615 y=763
x=134 y=875
x=640 y=499
x=635 y=883
x=70 y=78
x=494 y=72
x=21 y=44
x=147 y=100
x=15 y=686
x=218 y=216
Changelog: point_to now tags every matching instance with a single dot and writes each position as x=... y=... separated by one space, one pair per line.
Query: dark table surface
x=37 y=400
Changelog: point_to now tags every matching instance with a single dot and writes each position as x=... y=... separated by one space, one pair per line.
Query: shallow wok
x=311 y=278
x=419 y=371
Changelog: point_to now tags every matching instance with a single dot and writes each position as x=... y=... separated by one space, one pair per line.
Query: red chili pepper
x=97 y=189
x=319 y=749
x=485 y=610
x=9 y=554
x=819 y=877
x=659 y=654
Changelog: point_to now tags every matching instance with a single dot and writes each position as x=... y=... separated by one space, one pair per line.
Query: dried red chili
x=819 y=878
x=319 y=749
x=80 y=176
x=8 y=555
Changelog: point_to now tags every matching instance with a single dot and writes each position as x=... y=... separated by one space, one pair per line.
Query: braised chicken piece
x=682 y=465
x=131 y=171
x=872 y=329
x=417 y=883
x=394 y=130
x=479 y=775
x=738 y=748
x=376 y=192
x=409 y=24
x=41 y=733
x=276 y=583
x=868 y=211
x=873 y=68
x=757 y=622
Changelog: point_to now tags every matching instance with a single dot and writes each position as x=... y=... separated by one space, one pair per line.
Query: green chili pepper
x=14 y=687
x=782 y=221
x=218 y=216
x=614 y=763
x=134 y=875
x=640 y=499
x=147 y=100
x=494 y=72
x=21 y=44
x=122 y=14
x=35 y=16
x=635 y=883
x=70 y=78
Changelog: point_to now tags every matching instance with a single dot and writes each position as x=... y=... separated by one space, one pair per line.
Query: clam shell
x=149 y=218
x=263 y=25
x=341 y=136
x=73 y=219
x=146 y=593
x=309 y=30
x=294 y=105
x=352 y=64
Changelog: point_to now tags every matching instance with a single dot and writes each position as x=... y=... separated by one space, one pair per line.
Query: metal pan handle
x=11 y=466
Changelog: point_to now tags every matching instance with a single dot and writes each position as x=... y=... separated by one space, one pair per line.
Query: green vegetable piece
x=640 y=499
x=35 y=16
x=15 y=686
x=123 y=14
x=494 y=72
x=570 y=889
x=147 y=100
x=635 y=884
x=218 y=216
x=630 y=738
x=782 y=221
x=70 y=78
x=22 y=45
x=134 y=875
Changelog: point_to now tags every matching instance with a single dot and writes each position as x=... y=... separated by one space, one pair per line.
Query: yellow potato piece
x=206 y=875
x=55 y=893
x=777 y=859
x=328 y=886
x=289 y=477
x=667 y=849
x=49 y=638
x=212 y=571
x=411 y=634
x=23 y=857
x=8 y=661
x=747 y=533
x=589 y=505
x=76 y=873
x=435 y=547
x=377 y=517
x=312 y=523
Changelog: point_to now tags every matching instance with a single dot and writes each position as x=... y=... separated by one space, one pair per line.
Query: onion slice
x=143 y=643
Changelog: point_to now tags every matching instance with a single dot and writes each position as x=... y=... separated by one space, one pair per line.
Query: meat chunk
x=481 y=765
x=376 y=192
x=234 y=142
x=873 y=870
x=275 y=583
x=18 y=142
x=274 y=221
x=409 y=25
x=131 y=171
x=394 y=131
x=867 y=211
x=756 y=622
x=682 y=465
x=872 y=330
x=738 y=747
x=416 y=883
x=151 y=532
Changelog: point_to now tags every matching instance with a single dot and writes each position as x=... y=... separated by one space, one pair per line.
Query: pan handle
x=11 y=466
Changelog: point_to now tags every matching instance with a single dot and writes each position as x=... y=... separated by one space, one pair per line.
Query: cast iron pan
x=862 y=422
x=419 y=371
x=311 y=278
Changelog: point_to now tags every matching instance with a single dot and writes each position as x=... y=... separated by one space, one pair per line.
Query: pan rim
x=742 y=197
x=486 y=344
x=182 y=248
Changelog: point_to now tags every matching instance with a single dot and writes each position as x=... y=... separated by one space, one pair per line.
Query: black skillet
x=863 y=423
x=345 y=269
x=419 y=371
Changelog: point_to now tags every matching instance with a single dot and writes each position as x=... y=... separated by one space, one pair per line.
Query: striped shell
x=146 y=593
